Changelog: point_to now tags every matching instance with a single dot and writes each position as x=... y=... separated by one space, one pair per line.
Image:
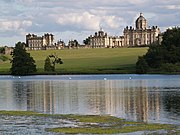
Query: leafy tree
x=48 y=66
x=171 y=38
x=76 y=43
x=166 y=55
x=73 y=43
x=169 y=67
x=86 y=41
x=2 y=49
x=22 y=62
x=171 y=43
x=51 y=62
x=141 y=66
x=155 y=56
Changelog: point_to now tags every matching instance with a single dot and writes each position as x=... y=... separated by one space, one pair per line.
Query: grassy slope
x=120 y=60
x=5 y=66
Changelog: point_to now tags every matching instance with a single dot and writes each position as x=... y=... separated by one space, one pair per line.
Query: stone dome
x=141 y=22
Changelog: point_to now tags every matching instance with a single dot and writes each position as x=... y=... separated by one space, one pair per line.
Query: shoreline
x=154 y=73
x=27 y=121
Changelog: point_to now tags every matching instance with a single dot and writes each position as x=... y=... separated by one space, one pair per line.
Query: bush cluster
x=165 y=57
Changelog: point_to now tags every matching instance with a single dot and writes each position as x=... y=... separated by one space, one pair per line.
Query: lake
x=148 y=98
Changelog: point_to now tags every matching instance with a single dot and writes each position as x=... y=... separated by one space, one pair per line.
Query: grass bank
x=86 y=61
x=95 y=124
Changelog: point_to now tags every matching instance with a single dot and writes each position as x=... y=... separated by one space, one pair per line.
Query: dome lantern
x=141 y=22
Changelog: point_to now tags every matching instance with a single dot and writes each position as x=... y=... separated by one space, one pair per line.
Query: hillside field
x=86 y=61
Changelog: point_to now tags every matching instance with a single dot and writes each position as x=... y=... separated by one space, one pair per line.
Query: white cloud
x=6 y=25
x=138 y=2
x=113 y=22
x=173 y=7
x=80 y=20
x=24 y=1
x=77 y=16
x=167 y=2
x=89 y=21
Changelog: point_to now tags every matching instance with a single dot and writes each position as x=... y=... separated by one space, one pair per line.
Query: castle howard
x=140 y=35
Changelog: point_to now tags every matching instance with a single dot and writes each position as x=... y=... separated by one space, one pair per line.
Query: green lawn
x=81 y=61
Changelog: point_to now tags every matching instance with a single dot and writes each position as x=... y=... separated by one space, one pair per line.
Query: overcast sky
x=77 y=19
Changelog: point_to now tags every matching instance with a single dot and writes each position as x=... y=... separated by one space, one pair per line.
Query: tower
x=141 y=23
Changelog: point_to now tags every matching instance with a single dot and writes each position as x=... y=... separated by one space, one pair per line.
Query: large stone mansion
x=34 y=42
x=141 y=35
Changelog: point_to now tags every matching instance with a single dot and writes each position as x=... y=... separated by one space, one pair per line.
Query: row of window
x=139 y=42
x=142 y=36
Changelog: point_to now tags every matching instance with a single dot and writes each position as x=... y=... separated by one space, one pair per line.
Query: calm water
x=149 y=98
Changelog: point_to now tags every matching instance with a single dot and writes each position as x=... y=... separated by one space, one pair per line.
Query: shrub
x=48 y=66
x=169 y=67
x=141 y=66
x=51 y=61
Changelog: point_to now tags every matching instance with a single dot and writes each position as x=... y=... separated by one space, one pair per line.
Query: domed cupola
x=101 y=32
x=141 y=22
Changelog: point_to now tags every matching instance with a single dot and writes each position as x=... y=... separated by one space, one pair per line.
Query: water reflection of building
x=19 y=94
x=140 y=100
x=66 y=96
x=126 y=98
x=135 y=101
x=96 y=97
x=155 y=102
x=6 y=96
x=40 y=97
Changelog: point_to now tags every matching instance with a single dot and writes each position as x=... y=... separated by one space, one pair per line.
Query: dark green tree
x=171 y=38
x=86 y=41
x=171 y=43
x=22 y=62
x=141 y=66
x=51 y=62
x=2 y=49
x=76 y=43
x=73 y=44
x=155 y=56
x=167 y=55
x=48 y=65
x=169 y=67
